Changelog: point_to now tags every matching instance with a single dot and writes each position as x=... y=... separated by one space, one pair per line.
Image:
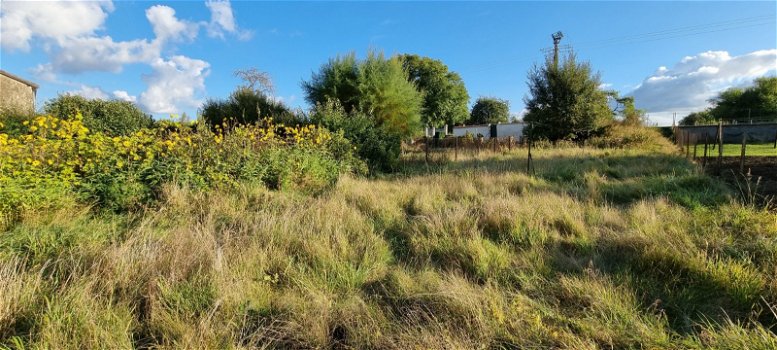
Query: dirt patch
x=759 y=180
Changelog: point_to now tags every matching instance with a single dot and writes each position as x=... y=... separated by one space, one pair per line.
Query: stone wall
x=15 y=96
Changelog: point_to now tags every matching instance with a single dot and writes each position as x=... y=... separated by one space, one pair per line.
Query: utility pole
x=556 y=40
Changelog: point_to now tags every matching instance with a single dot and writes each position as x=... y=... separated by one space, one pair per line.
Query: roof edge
x=19 y=79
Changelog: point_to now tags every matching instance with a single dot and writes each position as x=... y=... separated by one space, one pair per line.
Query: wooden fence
x=704 y=141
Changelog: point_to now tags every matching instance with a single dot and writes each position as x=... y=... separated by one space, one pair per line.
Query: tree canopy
x=489 y=110
x=445 y=96
x=757 y=102
x=629 y=114
x=565 y=102
x=376 y=86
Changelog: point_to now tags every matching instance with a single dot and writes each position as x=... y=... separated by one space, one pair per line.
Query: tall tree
x=565 y=102
x=376 y=86
x=740 y=104
x=489 y=110
x=757 y=101
x=698 y=118
x=629 y=114
x=445 y=96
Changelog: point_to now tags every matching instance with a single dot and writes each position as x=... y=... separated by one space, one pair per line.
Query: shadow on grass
x=680 y=287
x=613 y=178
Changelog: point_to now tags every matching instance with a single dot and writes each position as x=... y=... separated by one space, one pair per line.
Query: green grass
x=601 y=249
x=731 y=150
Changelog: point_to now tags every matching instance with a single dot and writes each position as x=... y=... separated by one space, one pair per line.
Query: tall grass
x=602 y=249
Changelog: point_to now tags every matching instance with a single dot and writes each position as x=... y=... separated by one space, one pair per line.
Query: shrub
x=127 y=172
x=246 y=106
x=111 y=117
x=377 y=146
x=625 y=136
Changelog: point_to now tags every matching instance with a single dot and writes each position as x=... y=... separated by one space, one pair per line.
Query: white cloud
x=89 y=92
x=174 y=84
x=124 y=96
x=167 y=26
x=102 y=54
x=21 y=21
x=44 y=72
x=70 y=33
x=223 y=20
x=689 y=85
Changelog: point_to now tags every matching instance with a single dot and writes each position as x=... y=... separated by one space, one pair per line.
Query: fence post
x=704 y=160
x=456 y=148
x=720 y=147
x=529 y=160
x=695 y=143
x=426 y=148
x=742 y=157
x=687 y=145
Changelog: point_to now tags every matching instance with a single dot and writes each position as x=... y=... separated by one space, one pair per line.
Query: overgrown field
x=601 y=249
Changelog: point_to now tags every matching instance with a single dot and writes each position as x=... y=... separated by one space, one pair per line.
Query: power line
x=669 y=33
x=672 y=36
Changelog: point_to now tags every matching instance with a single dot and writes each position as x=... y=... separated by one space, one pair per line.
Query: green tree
x=566 y=102
x=698 y=118
x=740 y=104
x=489 y=110
x=629 y=114
x=445 y=96
x=378 y=147
x=758 y=101
x=112 y=117
x=375 y=86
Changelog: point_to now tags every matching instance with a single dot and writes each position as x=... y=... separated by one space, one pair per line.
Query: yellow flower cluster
x=66 y=150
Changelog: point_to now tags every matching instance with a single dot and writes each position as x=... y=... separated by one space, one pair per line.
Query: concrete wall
x=513 y=129
x=484 y=130
x=16 y=96
x=502 y=130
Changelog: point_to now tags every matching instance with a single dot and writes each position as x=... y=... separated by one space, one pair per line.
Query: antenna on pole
x=556 y=40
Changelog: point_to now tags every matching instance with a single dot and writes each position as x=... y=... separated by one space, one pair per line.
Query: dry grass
x=602 y=249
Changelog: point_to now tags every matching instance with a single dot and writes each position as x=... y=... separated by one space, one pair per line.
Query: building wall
x=502 y=130
x=16 y=96
x=484 y=130
x=513 y=129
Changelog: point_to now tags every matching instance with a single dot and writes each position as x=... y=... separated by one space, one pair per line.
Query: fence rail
x=714 y=138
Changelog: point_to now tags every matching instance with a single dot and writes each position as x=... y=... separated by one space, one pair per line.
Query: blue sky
x=170 y=56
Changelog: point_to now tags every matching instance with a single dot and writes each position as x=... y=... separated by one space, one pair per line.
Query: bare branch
x=256 y=80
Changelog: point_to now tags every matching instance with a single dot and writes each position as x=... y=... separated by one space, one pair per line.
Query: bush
x=378 y=147
x=246 y=106
x=127 y=172
x=625 y=136
x=111 y=117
